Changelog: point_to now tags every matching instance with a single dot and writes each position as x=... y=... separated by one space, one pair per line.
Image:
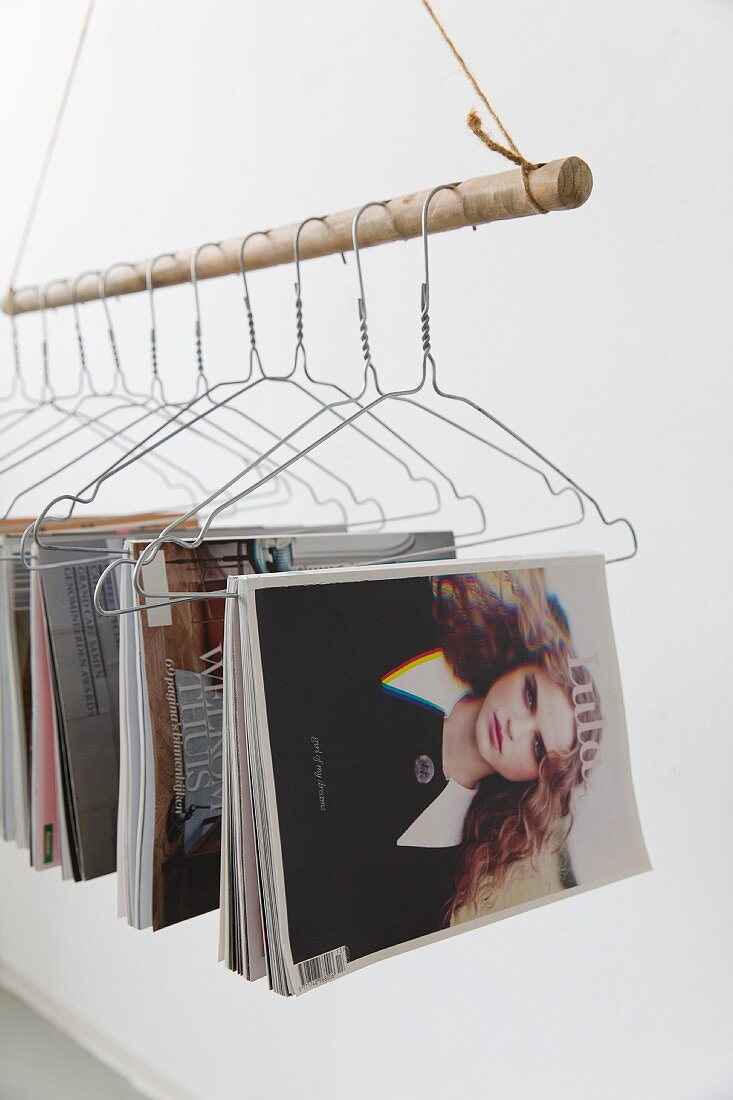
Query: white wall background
x=603 y=334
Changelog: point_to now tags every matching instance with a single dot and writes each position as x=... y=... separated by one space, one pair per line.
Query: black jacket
x=351 y=763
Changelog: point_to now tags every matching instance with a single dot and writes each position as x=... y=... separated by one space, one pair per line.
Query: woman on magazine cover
x=510 y=752
x=431 y=794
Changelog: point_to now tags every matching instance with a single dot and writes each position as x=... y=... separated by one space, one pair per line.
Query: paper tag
x=155 y=579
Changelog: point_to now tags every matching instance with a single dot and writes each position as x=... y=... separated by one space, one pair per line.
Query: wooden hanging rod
x=558 y=185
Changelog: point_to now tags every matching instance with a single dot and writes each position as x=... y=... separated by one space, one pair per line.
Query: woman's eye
x=530 y=693
x=538 y=747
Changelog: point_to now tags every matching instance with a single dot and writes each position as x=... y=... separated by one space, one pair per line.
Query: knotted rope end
x=476 y=127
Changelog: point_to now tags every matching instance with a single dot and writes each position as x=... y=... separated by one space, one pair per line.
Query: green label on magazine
x=48 y=843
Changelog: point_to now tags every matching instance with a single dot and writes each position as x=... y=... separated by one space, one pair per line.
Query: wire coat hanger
x=429 y=374
x=250 y=384
x=131 y=455
x=168 y=533
x=116 y=437
x=136 y=453
x=84 y=382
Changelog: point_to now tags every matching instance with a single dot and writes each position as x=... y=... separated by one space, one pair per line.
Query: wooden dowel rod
x=558 y=185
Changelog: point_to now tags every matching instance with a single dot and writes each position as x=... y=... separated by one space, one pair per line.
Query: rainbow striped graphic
x=388 y=681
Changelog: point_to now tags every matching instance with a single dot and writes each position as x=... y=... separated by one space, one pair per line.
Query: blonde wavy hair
x=491 y=624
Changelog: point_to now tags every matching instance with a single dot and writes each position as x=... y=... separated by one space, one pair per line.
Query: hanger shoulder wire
x=130 y=453
x=429 y=374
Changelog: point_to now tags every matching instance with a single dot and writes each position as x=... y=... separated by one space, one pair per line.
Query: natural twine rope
x=510 y=150
x=35 y=200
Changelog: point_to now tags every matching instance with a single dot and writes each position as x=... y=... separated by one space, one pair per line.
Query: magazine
x=171 y=708
x=46 y=847
x=58 y=692
x=422 y=750
x=15 y=694
x=84 y=653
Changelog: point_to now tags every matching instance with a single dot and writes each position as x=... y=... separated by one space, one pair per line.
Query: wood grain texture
x=559 y=185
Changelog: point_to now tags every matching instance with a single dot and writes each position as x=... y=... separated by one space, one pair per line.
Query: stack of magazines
x=77 y=739
x=15 y=692
x=352 y=744
x=171 y=705
x=59 y=696
x=411 y=752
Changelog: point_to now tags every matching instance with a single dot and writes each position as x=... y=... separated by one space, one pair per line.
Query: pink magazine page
x=46 y=837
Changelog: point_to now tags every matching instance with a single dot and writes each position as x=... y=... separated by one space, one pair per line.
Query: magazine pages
x=46 y=847
x=15 y=691
x=428 y=748
x=171 y=704
x=58 y=694
x=84 y=654
x=241 y=934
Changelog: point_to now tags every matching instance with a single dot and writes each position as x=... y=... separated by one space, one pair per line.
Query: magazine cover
x=84 y=650
x=181 y=652
x=440 y=749
x=182 y=657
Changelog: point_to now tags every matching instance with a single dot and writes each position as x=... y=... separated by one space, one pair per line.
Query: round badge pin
x=424 y=769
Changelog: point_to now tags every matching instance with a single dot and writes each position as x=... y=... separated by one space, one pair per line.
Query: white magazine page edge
x=230 y=608
x=7 y=794
x=253 y=902
x=122 y=870
x=20 y=774
x=146 y=808
x=434 y=567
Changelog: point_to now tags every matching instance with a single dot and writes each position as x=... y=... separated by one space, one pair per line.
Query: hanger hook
x=47 y=388
x=74 y=297
x=201 y=377
x=425 y=291
x=149 y=272
x=253 y=350
x=296 y=247
x=300 y=346
x=363 y=328
x=15 y=341
x=110 y=327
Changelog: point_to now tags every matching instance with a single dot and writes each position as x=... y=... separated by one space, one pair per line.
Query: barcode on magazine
x=323 y=968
